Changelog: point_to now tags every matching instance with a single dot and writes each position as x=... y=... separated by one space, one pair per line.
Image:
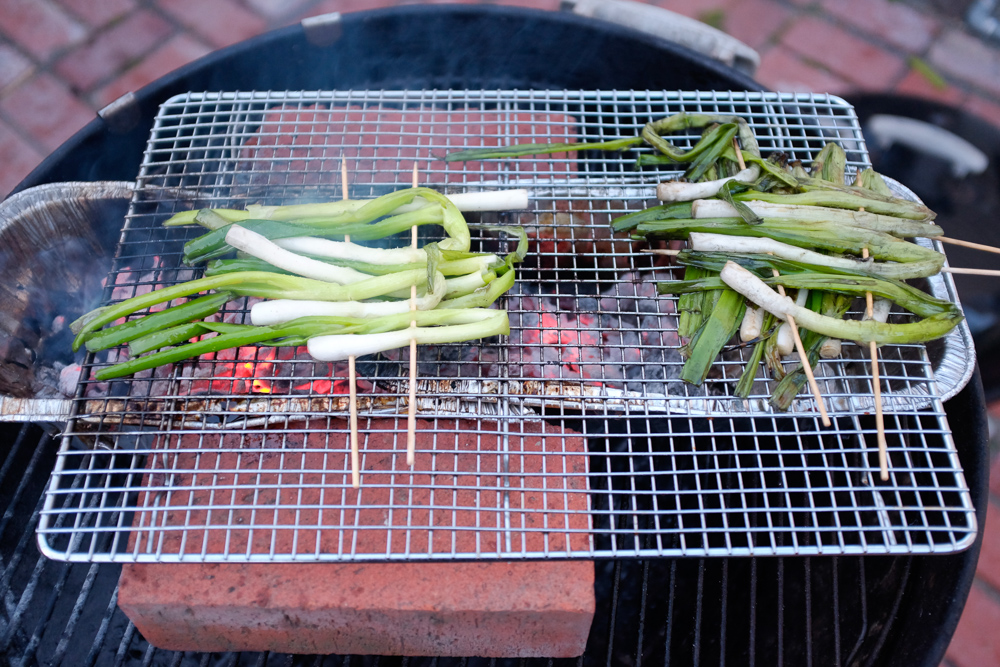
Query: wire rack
x=573 y=437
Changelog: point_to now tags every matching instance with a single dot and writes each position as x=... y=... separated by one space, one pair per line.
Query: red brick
x=863 y=64
x=755 y=22
x=39 y=27
x=783 y=71
x=520 y=609
x=894 y=22
x=917 y=85
x=988 y=568
x=543 y=5
x=274 y=9
x=498 y=609
x=107 y=53
x=976 y=641
x=46 y=109
x=348 y=6
x=696 y=9
x=17 y=158
x=175 y=52
x=220 y=23
x=967 y=58
x=13 y=66
x=995 y=465
x=98 y=14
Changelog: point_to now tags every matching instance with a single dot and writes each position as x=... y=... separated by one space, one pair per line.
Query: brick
x=348 y=6
x=98 y=14
x=519 y=609
x=916 y=84
x=967 y=58
x=39 y=27
x=859 y=62
x=220 y=23
x=976 y=642
x=782 y=71
x=988 y=568
x=696 y=9
x=755 y=22
x=17 y=158
x=175 y=52
x=275 y=9
x=543 y=5
x=46 y=109
x=995 y=465
x=109 y=52
x=894 y=22
x=14 y=66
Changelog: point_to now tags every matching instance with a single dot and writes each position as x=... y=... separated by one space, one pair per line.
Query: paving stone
x=220 y=22
x=98 y=13
x=988 y=569
x=782 y=71
x=755 y=22
x=985 y=109
x=916 y=84
x=17 y=158
x=696 y=9
x=543 y=5
x=859 y=62
x=109 y=52
x=967 y=58
x=274 y=9
x=46 y=109
x=39 y=27
x=14 y=66
x=975 y=641
x=894 y=22
x=995 y=465
x=347 y=6
x=175 y=52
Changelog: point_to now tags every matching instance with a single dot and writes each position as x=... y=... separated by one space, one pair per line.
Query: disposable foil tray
x=573 y=437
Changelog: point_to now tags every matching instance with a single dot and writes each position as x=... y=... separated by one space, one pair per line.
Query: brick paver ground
x=61 y=60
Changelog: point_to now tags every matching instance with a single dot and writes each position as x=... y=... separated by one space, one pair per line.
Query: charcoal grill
x=245 y=456
x=689 y=625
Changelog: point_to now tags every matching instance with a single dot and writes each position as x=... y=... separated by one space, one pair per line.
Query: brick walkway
x=60 y=60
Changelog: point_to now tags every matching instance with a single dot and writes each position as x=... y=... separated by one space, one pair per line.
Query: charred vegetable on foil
x=338 y=298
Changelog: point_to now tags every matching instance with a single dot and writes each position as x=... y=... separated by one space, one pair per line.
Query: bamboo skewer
x=352 y=374
x=411 y=417
x=883 y=447
x=967 y=244
x=971 y=272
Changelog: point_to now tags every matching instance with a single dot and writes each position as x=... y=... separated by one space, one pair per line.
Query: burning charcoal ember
x=69 y=376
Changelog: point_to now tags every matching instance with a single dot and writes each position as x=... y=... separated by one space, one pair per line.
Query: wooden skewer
x=806 y=366
x=883 y=447
x=966 y=244
x=971 y=272
x=352 y=374
x=799 y=347
x=411 y=417
x=661 y=251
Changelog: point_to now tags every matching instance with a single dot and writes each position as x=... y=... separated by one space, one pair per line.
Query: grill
x=768 y=611
x=887 y=610
x=572 y=438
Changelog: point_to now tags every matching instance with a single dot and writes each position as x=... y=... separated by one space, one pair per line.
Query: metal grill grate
x=572 y=437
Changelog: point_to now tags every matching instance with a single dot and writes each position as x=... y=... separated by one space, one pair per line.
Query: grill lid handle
x=677 y=28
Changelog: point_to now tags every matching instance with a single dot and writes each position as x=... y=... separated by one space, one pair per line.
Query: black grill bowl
x=795 y=611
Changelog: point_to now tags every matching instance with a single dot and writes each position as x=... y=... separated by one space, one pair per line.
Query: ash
x=623 y=337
